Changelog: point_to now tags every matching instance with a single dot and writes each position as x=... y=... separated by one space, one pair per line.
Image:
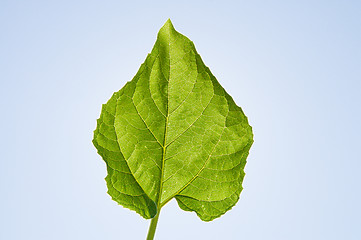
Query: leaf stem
x=153 y=226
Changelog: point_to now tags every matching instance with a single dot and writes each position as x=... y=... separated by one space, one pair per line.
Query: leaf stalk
x=153 y=226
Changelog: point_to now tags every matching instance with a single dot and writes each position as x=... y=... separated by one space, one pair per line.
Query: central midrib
x=165 y=136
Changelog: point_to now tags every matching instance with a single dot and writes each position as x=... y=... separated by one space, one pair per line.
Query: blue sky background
x=293 y=66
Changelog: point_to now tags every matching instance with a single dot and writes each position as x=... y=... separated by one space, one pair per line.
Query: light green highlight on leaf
x=174 y=132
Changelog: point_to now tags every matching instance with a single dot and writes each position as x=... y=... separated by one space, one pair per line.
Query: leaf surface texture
x=174 y=132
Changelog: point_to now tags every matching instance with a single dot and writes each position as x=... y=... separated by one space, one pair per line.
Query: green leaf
x=174 y=132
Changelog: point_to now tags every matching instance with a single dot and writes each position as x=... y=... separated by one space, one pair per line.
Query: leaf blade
x=180 y=134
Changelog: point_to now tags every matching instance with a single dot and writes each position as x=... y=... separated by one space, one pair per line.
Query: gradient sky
x=293 y=66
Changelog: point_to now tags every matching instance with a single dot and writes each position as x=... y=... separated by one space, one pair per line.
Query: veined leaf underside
x=174 y=132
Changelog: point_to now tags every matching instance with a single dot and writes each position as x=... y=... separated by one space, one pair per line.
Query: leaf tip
x=168 y=26
x=169 y=22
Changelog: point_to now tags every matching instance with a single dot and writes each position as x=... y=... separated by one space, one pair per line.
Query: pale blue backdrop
x=293 y=66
